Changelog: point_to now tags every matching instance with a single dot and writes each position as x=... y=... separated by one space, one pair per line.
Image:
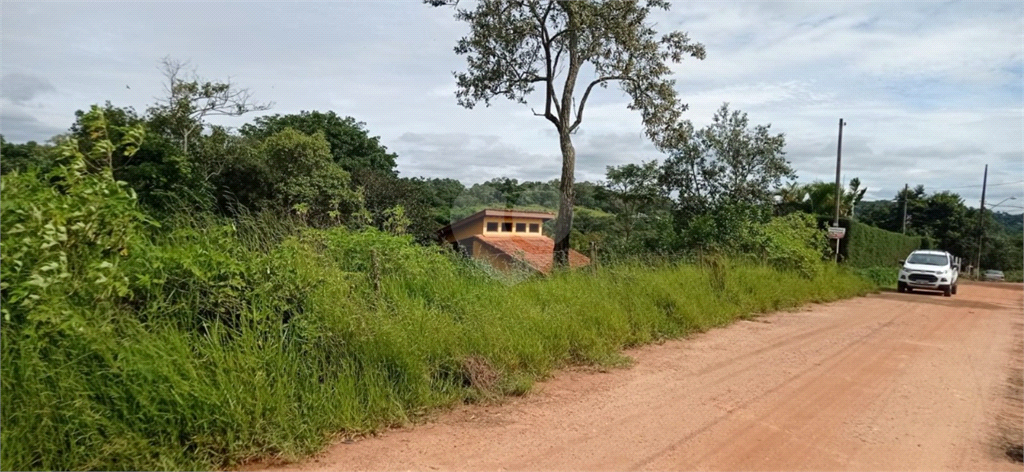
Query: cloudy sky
x=932 y=91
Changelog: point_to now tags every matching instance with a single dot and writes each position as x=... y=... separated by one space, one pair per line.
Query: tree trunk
x=563 y=226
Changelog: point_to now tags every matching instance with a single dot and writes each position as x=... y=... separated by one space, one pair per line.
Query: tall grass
x=882 y=277
x=231 y=347
x=199 y=342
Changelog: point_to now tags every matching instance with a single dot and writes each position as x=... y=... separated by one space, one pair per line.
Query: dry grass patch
x=1011 y=420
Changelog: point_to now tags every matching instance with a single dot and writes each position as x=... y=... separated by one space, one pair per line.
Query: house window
x=506 y=227
x=520 y=227
x=534 y=228
x=492 y=226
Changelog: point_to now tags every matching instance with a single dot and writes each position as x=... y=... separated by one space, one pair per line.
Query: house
x=507 y=238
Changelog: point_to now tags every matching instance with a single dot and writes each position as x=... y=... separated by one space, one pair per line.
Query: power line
x=990 y=185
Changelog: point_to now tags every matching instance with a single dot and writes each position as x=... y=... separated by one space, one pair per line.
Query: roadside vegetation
x=201 y=341
x=179 y=295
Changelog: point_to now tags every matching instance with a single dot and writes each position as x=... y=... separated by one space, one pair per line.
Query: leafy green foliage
x=63 y=242
x=302 y=176
x=223 y=353
x=944 y=222
x=162 y=177
x=792 y=243
x=204 y=342
x=865 y=246
x=882 y=277
x=22 y=157
x=351 y=145
x=819 y=198
x=511 y=47
x=725 y=164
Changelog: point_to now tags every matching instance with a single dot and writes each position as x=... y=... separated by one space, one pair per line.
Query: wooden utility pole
x=839 y=160
x=906 y=195
x=981 y=220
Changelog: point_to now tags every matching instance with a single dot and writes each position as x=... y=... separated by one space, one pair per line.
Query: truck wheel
x=954 y=290
x=901 y=287
x=947 y=291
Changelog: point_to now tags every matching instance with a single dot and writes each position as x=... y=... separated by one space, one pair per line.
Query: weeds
x=205 y=342
x=237 y=354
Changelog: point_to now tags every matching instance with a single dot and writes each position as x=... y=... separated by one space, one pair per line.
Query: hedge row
x=867 y=246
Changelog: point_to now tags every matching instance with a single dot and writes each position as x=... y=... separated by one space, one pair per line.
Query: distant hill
x=1012 y=223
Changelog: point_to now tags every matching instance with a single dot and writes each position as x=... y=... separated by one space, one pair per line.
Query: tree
x=191 y=99
x=913 y=201
x=790 y=199
x=821 y=198
x=303 y=178
x=513 y=46
x=634 y=189
x=157 y=170
x=22 y=157
x=944 y=218
x=854 y=196
x=352 y=147
x=510 y=190
x=726 y=164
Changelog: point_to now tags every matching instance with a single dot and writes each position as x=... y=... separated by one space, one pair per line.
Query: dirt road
x=886 y=382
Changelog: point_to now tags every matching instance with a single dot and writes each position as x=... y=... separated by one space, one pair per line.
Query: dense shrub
x=866 y=246
x=215 y=352
x=204 y=342
x=792 y=242
x=869 y=246
x=883 y=277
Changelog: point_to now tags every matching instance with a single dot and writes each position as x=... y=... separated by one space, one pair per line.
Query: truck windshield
x=928 y=259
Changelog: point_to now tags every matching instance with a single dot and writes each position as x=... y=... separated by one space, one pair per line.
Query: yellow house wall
x=474 y=228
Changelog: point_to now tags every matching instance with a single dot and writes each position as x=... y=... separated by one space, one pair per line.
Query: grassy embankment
x=217 y=345
x=128 y=344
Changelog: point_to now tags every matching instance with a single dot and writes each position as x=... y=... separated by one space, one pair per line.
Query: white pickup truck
x=929 y=270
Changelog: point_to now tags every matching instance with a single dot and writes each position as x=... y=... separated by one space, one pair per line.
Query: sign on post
x=836 y=232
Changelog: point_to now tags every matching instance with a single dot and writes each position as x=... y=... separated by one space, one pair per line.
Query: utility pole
x=839 y=160
x=981 y=220
x=906 y=193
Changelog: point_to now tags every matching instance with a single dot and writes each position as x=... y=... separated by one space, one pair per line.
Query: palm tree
x=822 y=198
x=790 y=198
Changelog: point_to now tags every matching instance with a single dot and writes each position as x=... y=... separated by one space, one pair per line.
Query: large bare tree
x=515 y=46
x=191 y=99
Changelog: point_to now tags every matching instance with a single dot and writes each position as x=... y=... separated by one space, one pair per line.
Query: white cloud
x=932 y=91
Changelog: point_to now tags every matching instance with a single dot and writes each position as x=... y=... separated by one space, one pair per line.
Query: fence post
x=593 y=256
x=375 y=271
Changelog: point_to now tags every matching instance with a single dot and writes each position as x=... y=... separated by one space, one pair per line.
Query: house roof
x=535 y=251
x=447 y=230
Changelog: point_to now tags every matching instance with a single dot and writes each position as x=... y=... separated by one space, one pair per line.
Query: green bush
x=866 y=246
x=792 y=243
x=882 y=277
x=207 y=342
x=219 y=353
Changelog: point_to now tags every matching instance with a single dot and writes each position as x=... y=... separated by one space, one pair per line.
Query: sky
x=931 y=91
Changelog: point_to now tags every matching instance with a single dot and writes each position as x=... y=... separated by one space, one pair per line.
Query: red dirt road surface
x=885 y=382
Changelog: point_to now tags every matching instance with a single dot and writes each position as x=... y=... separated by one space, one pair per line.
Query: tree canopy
x=514 y=46
x=351 y=145
x=726 y=164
